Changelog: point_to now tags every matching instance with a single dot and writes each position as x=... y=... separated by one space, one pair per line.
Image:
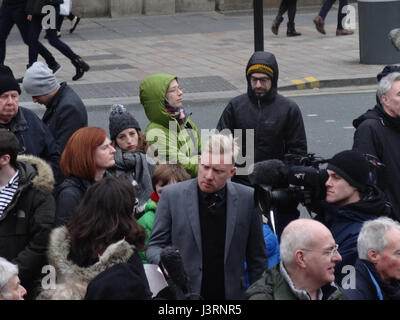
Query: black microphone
x=171 y=262
x=269 y=172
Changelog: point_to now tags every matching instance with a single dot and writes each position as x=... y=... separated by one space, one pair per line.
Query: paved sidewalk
x=207 y=51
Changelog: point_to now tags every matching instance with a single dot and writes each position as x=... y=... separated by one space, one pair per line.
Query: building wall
x=118 y=8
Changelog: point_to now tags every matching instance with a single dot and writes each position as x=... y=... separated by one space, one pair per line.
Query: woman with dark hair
x=85 y=159
x=101 y=234
x=130 y=153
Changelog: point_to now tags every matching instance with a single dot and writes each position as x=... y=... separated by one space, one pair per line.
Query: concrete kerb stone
x=327 y=83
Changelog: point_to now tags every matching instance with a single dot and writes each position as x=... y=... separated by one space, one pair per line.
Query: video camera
x=281 y=184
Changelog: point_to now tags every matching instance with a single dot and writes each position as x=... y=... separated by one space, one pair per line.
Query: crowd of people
x=97 y=209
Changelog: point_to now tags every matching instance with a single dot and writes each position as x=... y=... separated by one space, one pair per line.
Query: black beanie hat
x=352 y=166
x=386 y=70
x=120 y=119
x=7 y=80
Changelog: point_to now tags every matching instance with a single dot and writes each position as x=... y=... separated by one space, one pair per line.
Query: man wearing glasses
x=307 y=268
x=276 y=122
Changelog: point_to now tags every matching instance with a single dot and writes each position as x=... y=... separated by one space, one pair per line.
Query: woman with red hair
x=86 y=157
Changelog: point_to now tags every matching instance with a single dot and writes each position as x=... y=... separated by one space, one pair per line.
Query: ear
x=384 y=98
x=5 y=159
x=373 y=256
x=300 y=259
x=233 y=171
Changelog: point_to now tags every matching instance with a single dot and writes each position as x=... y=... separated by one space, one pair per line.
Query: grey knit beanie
x=120 y=119
x=39 y=80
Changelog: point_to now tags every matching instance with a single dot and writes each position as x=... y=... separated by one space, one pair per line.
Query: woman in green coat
x=172 y=133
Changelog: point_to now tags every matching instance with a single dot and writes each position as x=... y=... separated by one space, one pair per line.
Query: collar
x=216 y=196
x=301 y=294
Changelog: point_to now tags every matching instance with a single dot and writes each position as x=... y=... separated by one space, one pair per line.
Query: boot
x=275 y=25
x=81 y=67
x=291 y=31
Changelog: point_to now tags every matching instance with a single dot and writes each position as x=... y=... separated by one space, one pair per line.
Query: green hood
x=152 y=95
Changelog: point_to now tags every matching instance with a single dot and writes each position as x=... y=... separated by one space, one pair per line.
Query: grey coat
x=177 y=223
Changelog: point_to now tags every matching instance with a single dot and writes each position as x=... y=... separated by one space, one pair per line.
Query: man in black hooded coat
x=277 y=121
x=378 y=134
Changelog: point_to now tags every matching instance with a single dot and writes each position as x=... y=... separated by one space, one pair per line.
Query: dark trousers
x=290 y=6
x=60 y=20
x=34 y=33
x=328 y=5
x=11 y=16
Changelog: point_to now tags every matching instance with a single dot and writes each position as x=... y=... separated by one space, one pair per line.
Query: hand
x=29 y=17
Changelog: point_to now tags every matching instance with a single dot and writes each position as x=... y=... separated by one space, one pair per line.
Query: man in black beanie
x=34 y=136
x=350 y=200
x=378 y=134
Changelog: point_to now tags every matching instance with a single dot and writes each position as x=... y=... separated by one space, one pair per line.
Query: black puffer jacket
x=26 y=222
x=378 y=134
x=276 y=120
x=68 y=195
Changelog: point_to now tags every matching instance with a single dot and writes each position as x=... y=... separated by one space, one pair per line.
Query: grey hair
x=372 y=235
x=223 y=145
x=386 y=83
x=293 y=239
x=7 y=271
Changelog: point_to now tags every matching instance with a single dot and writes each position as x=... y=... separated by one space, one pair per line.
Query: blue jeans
x=34 y=33
x=328 y=5
x=11 y=16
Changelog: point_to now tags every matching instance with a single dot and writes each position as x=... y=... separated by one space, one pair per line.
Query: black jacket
x=276 y=120
x=26 y=222
x=35 y=138
x=345 y=224
x=65 y=114
x=68 y=195
x=378 y=134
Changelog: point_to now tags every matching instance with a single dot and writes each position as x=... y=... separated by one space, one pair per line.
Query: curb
x=311 y=83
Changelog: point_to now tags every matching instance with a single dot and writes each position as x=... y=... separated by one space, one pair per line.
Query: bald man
x=307 y=268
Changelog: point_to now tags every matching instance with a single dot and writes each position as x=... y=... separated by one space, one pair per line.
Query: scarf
x=177 y=113
x=135 y=166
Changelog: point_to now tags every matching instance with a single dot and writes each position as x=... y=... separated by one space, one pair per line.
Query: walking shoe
x=343 y=32
x=319 y=24
x=275 y=25
x=291 y=31
x=74 y=23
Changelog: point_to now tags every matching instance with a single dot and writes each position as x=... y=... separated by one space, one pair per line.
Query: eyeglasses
x=175 y=90
x=263 y=81
x=329 y=252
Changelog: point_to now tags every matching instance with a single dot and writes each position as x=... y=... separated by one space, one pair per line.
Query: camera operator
x=341 y=196
x=350 y=201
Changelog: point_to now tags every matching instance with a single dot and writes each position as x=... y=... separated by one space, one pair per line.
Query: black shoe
x=81 y=67
x=275 y=25
x=291 y=31
x=55 y=68
x=74 y=25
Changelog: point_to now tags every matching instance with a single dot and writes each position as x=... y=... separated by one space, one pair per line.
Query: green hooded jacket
x=147 y=221
x=174 y=144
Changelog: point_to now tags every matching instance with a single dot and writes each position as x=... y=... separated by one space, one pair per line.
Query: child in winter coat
x=163 y=175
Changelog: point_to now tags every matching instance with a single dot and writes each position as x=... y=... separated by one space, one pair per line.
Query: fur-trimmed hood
x=36 y=170
x=72 y=280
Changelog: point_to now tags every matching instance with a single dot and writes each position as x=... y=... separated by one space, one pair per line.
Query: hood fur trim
x=44 y=179
x=59 y=249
